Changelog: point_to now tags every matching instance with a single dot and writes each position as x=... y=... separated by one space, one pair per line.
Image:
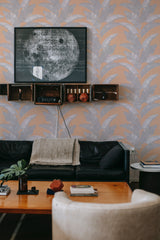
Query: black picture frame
x=50 y=54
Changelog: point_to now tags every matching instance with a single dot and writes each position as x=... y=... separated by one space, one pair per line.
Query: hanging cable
x=57 y=127
x=64 y=121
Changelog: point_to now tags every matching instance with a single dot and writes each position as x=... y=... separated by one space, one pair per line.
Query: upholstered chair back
x=136 y=220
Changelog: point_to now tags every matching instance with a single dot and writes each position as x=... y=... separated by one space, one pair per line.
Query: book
x=95 y=194
x=150 y=163
x=83 y=190
x=4 y=190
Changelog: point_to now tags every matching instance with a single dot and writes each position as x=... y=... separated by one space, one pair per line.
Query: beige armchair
x=137 y=220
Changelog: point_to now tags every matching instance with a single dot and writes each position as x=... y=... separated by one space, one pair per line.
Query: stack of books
x=4 y=190
x=150 y=164
x=83 y=190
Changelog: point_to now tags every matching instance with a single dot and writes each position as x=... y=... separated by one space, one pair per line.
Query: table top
x=138 y=166
x=108 y=192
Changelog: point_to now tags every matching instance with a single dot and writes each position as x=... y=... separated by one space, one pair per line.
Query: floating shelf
x=23 y=92
x=48 y=94
x=77 y=93
x=105 y=92
x=56 y=94
x=3 y=89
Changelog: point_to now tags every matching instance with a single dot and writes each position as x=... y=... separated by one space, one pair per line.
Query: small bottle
x=75 y=93
x=87 y=91
x=79 y=93
x=67 y=91
x=20 y=94
x=71 y=91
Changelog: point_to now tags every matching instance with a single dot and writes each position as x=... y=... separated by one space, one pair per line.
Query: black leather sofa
x=99 y=161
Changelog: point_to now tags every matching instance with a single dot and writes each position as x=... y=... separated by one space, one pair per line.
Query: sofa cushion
x=91 y=152
x=42 y=172
x=113 y=158
x=84 y=173
x=12 y=151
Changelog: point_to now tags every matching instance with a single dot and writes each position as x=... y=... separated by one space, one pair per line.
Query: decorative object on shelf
x=20 y=92
x=75 y=92
x=48 y=93
x=83 y=97
x=55 y=186
x=48 y=99
x=88 y=91
x=50 y=54
x=70 y=95
x=79 y=93
x=104 y=96
x=105 y=92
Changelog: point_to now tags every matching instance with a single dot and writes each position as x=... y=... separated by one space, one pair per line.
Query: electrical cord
x=64 y=120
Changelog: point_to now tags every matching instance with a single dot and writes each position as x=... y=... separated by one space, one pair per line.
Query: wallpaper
x=123 y=47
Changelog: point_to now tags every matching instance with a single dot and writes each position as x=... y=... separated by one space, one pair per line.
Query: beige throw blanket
x=59 y=151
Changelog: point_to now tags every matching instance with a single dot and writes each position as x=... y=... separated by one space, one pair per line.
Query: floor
x=28 y=226
x=25 y=227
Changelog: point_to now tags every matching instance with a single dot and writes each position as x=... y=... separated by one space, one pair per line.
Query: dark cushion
x=113 y=158
x=84 y=173
x=45 y=172
x=91 y=152
x=12 y=151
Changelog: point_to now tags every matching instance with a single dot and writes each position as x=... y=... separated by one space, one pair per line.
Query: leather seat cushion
x=40 y=172
x=90 y=173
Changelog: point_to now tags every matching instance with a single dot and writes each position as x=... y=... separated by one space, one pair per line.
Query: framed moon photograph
x=50 y=54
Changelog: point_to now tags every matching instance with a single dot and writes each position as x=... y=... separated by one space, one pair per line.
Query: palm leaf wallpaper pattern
x=123 y=47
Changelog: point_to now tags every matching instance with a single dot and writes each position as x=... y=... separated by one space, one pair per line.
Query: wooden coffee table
x=108 y=192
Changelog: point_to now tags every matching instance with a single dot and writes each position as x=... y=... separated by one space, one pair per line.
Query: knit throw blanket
x=55 y=152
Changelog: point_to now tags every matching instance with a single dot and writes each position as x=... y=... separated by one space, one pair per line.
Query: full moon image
x=54 y=53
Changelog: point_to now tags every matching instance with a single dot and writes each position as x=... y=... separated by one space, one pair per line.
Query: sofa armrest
x=126 y=160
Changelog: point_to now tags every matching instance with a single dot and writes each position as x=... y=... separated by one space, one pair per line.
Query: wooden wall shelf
x=50 y=94
x=3 y=89
x=77 y=93
x=23 y=92
x=56 y=94
x=105 y=92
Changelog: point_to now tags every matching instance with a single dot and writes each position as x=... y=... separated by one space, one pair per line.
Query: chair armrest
x=139 y=195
